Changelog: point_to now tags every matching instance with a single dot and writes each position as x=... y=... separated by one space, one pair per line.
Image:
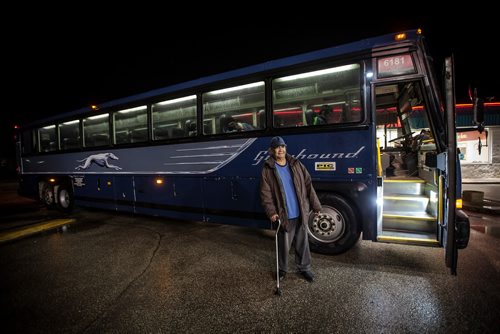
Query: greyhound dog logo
x=100 y=159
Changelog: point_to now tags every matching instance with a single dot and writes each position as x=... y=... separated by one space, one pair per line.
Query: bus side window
x=234 y=109
x=69 y=135
x=323 y=92
x=96 y=130
x=48 y=138
x=132 y=121
x=28 y=142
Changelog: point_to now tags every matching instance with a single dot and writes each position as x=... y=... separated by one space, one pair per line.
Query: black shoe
x=282 y=275
x=308 y=276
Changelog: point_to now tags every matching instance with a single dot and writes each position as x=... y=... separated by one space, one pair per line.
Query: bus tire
x=335 y=230
x=65 y=200
x=47 y=195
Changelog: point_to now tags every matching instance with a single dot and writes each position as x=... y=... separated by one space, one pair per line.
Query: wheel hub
x=328 y=226
x=324 y=224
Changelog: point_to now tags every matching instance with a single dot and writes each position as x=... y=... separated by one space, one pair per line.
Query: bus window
x=131 y=125
x=234 y=109
x=28 y=141
x=401 y=115
x=403 y=127
x=170 y=118
x=47 y=138
x=69 y=135
x=96 y=130
x=326 y=96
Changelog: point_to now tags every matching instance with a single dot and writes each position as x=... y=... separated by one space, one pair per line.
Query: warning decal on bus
x=324 y=166
x=355 y=170
x=78 y=181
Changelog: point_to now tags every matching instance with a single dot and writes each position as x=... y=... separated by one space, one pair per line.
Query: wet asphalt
x=116 y=273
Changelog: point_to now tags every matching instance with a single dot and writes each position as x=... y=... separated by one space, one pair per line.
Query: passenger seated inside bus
x=324 y=115
x=190 y=127
x=229 y=124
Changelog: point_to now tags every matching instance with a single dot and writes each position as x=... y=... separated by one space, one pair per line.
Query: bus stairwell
x=409 y=193
x=409 y=212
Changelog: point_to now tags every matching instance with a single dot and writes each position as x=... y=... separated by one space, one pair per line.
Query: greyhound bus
x=383 y=161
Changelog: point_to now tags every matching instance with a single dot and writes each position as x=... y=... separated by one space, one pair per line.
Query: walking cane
x=278 y=289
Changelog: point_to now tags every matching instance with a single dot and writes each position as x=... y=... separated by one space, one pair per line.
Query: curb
x=33 y=229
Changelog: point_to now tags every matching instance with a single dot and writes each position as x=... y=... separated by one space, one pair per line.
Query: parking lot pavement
x=112 y=272
x=484 y=223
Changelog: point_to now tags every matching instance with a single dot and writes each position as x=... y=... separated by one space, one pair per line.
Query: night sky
x=69 y=64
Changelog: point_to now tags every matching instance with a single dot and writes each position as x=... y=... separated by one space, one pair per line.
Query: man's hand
x=274 y=221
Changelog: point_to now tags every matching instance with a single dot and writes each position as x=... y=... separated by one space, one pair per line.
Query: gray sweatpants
x=302 y=253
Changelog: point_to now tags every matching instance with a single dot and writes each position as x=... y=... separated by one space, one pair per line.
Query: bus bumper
x=462 y=229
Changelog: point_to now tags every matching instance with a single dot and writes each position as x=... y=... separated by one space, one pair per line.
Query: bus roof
x=358 y=46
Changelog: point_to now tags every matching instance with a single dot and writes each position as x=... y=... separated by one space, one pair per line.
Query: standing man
x=287 y=194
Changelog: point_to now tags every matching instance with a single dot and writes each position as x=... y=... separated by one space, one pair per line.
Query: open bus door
x=456 y=225
x=451 y=251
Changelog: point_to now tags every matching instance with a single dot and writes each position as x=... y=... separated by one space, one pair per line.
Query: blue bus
x=382 y=157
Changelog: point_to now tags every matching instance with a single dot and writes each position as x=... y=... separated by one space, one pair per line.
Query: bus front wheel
x=335 y=230
x=64 y=199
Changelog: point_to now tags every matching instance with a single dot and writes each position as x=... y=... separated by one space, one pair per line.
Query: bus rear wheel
x=47 y=195
x=335 y=230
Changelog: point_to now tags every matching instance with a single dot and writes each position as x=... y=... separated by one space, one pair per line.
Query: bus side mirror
x=478 y=110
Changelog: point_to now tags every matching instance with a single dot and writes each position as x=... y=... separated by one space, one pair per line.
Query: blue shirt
x=292 y=203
